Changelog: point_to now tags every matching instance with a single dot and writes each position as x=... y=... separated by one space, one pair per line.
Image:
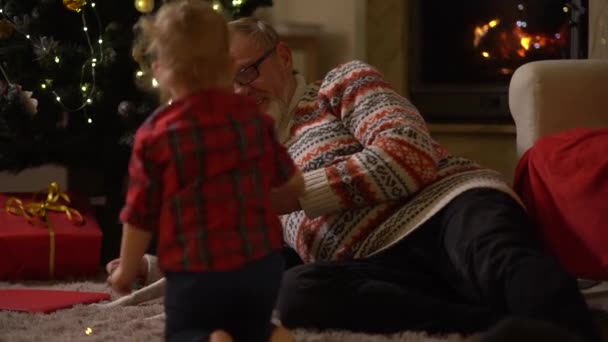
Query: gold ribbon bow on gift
x=56 y=201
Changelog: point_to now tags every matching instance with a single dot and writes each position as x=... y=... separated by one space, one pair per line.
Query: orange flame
x=509 y=43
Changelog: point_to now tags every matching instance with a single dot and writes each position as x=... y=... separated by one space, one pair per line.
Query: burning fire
x=496 y=41
x=481 y=31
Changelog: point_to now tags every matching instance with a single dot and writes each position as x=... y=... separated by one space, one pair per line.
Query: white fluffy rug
x=131 y=323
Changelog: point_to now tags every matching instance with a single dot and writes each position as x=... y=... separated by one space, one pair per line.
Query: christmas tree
x=70 y=91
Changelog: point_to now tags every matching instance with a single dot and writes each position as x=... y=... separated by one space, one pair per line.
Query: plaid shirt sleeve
x=142 y=205
x=284 y=165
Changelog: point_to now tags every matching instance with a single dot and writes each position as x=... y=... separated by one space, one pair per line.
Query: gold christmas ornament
x=75 y=5
x=144 y=6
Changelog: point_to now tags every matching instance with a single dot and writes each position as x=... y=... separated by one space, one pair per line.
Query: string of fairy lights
x=147 y=6
x=87 y=88
x=96 y=50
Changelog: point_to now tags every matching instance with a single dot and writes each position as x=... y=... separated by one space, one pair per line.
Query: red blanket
x=563 y=181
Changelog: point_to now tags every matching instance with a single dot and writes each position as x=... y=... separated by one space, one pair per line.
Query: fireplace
x=463 y=53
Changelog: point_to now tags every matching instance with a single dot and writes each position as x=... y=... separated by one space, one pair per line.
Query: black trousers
x=240 y=302
x=475 y=262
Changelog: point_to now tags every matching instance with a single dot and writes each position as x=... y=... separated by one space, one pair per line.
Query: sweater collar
x=284 y=126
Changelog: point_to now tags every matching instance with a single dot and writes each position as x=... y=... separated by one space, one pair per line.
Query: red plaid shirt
x=200 y=173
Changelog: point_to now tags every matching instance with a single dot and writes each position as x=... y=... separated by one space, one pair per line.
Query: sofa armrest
x=554 y=95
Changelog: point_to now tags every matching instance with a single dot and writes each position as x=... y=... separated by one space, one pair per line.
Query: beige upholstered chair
x=550 y=96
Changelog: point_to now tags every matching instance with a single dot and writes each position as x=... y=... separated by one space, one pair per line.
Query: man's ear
x=285 y=56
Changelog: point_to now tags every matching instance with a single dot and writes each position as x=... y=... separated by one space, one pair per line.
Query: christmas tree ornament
x=30 y=104
x=144 y=6
x=75 y=5
x=126 y=109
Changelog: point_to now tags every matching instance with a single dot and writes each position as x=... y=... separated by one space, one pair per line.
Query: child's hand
x=285 y=198
x=283 y=203
x=121 y=282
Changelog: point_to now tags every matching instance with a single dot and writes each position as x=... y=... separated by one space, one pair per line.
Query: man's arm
x=398 y=158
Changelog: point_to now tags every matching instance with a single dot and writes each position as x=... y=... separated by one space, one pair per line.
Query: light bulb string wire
x=89 y=63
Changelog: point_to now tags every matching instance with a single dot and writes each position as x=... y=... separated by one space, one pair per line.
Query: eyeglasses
x=251 y=72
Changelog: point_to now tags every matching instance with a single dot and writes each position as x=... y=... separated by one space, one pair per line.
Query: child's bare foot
x=281 y=334
x=220 y=336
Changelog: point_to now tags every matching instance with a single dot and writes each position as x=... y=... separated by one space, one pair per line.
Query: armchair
x=551 y=96
x=562 y=179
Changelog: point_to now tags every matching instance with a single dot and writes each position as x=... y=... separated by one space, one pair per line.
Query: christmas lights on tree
x=233 y=9
x=65 y=66
x=242 y=8
x=70 y=91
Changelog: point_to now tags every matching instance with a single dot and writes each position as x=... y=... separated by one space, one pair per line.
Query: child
x=201 y=174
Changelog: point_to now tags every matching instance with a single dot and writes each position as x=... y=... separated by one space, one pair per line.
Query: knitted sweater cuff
x=318 y=198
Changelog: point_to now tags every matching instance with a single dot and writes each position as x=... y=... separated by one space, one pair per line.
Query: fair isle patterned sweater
x=373 y=173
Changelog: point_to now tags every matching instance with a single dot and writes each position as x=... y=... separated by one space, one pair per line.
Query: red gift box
x=45 y=237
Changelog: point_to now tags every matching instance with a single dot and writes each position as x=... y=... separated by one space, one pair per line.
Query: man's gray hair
x=262 y=33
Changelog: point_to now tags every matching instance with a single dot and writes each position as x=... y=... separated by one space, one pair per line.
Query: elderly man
x=393 y=232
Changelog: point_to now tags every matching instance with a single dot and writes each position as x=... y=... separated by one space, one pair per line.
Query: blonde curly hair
x=191 y=42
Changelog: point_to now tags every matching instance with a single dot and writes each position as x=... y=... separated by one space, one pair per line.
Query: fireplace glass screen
x=459 y=46
x=484 y=41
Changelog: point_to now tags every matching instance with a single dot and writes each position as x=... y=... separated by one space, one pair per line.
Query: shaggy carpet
x=135 y=323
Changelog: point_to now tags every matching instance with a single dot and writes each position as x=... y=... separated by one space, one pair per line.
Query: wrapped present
x=51 y=236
